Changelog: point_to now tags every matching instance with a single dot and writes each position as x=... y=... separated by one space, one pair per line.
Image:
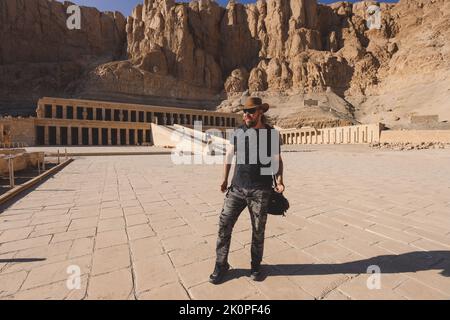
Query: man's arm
x=279 y=175
x=227 y=167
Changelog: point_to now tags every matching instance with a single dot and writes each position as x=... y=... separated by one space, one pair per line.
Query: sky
x=126 y=6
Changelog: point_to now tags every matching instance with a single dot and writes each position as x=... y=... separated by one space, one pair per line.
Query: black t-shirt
x=253 y=150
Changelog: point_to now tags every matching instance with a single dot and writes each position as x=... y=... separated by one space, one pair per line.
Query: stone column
x=118 y=137
x=90 y=136
x=46 y=138
x=64 y=115
x=53 y=111
x=367 y=134
x=69 y=136
x=80 y=136
x=100 y=136
x=109 y=137
x=40 y=111
x=58 y=136
x=127 y=137
x=94 y=114
x=84 y=113
x=103 y=114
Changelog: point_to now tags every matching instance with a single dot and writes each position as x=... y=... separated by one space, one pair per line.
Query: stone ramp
x=187 y=139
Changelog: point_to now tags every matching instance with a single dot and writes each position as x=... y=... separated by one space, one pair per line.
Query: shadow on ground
x=22 y=260
x=388 y=264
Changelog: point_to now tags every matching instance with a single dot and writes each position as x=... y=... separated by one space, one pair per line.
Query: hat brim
x=264 y=107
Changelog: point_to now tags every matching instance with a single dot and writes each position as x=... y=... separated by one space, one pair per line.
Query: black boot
x=255 y=273
x=219 y=272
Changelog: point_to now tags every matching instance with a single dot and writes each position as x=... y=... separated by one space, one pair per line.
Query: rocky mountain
x=39 y=55
x=316 y=64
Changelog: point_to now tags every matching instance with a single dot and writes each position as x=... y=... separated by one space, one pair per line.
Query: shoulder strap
x=243 y=127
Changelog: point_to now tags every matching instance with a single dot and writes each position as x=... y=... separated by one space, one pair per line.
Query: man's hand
x=224 y=186
x=280 y=188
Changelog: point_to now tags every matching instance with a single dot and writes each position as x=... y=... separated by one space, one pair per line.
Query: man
x=251 y=185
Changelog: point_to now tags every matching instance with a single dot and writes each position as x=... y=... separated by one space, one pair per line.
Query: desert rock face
x=414 y=78
x=173 y=52
x=283 y=50
x=385 y=75
x=40 y=56
x=204 y=50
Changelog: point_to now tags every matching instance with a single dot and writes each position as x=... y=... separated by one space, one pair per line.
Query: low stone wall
x=17 y=131
x=21 y=161
x=415 y=136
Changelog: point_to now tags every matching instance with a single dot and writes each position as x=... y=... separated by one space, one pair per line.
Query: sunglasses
x=251 y=111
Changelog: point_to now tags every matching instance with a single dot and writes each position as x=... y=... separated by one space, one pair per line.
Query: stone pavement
x=140 y=227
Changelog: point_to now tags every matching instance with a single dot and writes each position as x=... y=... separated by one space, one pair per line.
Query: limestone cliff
x=201 y=54
x=40 y=56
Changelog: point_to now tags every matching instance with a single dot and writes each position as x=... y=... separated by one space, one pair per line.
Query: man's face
x=252 y=116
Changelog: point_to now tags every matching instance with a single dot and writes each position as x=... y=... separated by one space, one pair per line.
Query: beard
x=251 y=122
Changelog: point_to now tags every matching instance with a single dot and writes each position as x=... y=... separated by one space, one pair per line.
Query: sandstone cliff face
x=40 y=56
x=199 y=51
x=388 y=75
x=414 y=78
x=274 y=45
x=283 y=45
x=173 y=51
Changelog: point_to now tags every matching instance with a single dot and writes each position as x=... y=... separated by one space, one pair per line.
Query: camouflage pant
x=236 y=199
